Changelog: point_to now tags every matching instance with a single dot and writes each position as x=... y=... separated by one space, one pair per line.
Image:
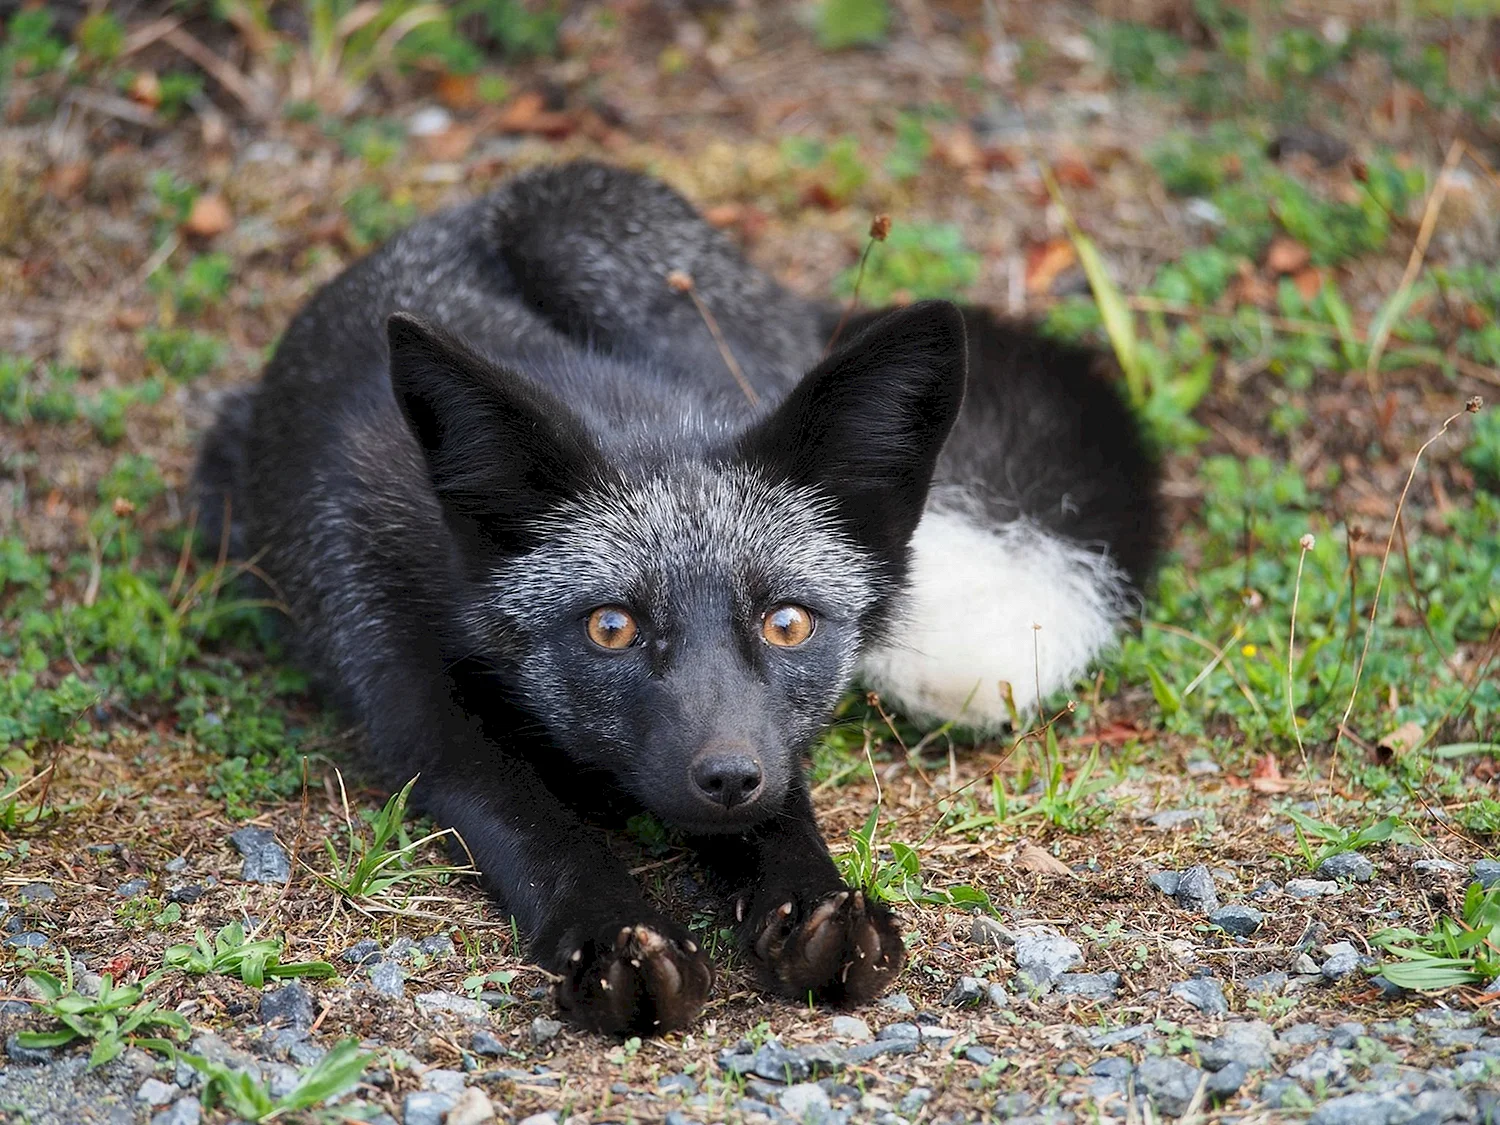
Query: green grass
x=1455 y=952
x=230 y=952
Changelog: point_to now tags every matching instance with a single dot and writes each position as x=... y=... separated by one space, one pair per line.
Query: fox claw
x=643 y=979
x=842 y=949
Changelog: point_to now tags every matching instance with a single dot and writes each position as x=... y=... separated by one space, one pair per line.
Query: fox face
x=685 y=622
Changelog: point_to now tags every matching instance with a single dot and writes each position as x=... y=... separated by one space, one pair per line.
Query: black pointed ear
x=500 y=450
x=867 y=424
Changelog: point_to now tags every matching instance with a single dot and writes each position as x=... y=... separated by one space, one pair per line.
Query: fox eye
x=786 y=626
x=612 y=627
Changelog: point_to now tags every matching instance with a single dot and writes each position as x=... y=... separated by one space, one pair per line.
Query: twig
x=1307 y=542
x=880 y=227
x=1386 y=319
x=681 y=282
x=220 y=71
x=1471 y=407
x=114 y=107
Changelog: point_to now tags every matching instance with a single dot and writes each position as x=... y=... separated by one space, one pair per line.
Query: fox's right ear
x=500 y=450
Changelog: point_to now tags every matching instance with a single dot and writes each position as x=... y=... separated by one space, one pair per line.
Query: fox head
x=686 y=621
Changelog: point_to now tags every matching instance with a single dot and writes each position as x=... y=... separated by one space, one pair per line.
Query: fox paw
x=640 y=979
x=843 y=949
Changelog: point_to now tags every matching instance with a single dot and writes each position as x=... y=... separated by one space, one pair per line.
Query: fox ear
x=866 y=426
x=499 y=449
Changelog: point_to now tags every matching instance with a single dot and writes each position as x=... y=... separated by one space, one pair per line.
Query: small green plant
x=381 y=871
x=109 y=1020
x=1457 y=951
x=479 y=982
x=898 y=877
x=915 y=262
x=243 y=1094
x=181 y=353
x=373 y=217
x=851 y=23
x=201 y=284
x=30 y=47
x=1335 y=839
x=231 y=953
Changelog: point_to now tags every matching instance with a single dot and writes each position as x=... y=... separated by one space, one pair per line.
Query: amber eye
x=786 y=626
x=611 y=627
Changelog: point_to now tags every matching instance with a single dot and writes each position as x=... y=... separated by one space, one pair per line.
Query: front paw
x=842 y=949
x=644 y=979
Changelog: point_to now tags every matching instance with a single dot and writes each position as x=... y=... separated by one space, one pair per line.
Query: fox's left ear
x=865 y=427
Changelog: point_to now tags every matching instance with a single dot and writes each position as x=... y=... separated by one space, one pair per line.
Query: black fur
x=505 y=418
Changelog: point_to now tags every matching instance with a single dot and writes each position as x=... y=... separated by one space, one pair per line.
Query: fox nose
x=727 y=777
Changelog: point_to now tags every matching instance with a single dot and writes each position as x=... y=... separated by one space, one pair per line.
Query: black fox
x=542 y=547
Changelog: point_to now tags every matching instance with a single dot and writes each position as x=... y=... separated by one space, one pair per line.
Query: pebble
x=1303 y=1034
x=425 y=1108
x=914 y=1100
x=1435 y=866
x=1175 y=818
x=1487 y=871
x=184 y=1111
x=999 y=998
x=677 y=1117
x=544 y=1030
x=1195 y=890
x=1245 y=1041
x=290 y=1005
x=429 y=121
x=900 y=1032
x=483 y=1043
x=1325 y=1065
x=1203 y=993
x=37 y=892
x=852 y=1028
x=1089 y=986
x=898 y=1002
x=1311 y=888
x=365 y=952
x=1364 y=1109
x=176 y=866
x=154 y=1092
x=266 y=861
x=1241 y=921
x=1278 y=1092
x=678 y=1084
x=1170 y=1083
x=187 y=894
x=985 y=931
x=388 y=979
x=132 y=888
x=776 y=1063
x=471 y=1011
x=1305 y=966
x=806 y=1101
x=438 y=946
x=1346 y=865
x=1165 y=881
x=966 y=992
x=1043 y=956
x=1343 y=960
x=442 y=1081
x=471 y=1108
x=867 y=1052
x=28 y=1056
x=1267 y=983
x=982 y=1056
x=28 y=940
x=1227 y=1080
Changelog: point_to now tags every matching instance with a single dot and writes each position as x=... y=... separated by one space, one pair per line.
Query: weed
x=915 y=261
x=231 y=953
x=895 y=873
x=1335 y=839
x=1457 y=951
x=109 y=1020
x=201 y=284
x=851 y=23
x=373 y=217
x=181 y=353
x=243 y=1094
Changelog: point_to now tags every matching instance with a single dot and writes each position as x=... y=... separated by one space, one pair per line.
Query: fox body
x=546 y=552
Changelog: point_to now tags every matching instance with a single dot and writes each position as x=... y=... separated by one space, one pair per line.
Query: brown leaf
x=723 y=214
x=453 y=143
x=1286 y=255
x=145 y=89
x=1032 y=858
x=458 y=91
x=1265 y=776
x=1071 y=171
x=67 y=180
x=1045 y=262
x=209 y=216
x=959 y=149
x=1308 y=282
x=1403 y=740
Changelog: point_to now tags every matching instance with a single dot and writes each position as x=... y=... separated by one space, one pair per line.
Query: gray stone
x=677 y=1117
x=1435 y=866
x=365 y=952
x=915 y=1099
x=388 y=979
x=998 y=997
x=1311 y=888
x=980 y=1056
x=1282 y=1093
x=1089 y=986
x=866 y=1052
x=1227 y=1080
x=290 y=1005
x=934 y=1033
x=1170 y=1083
x=401 y=949
x=266 y=861
x=898 y=1002
x=470 y=1011
x=822 y=1058
x=187 y=894
x=1203 y=993
x=438 y=946
x=283 y=1080
x=176 y=866
x=184 y=1111
x=28 y=940
x=806 y=1101
x=472 y=1107
x=37 y=892
x=1325 y=1065
x=1042 y=957
x=155 y=1092
x=1014 y=1105
x=899 y=1031
x=1112 y=1067
x=1267 y=984
x=443 y=1081
x=985 y=931
x=1364 y=1109
x=1343 y=960
x=736 y=1062
x=1166 y=882
x=1346 y=865
x=1244 y=1041
x=132 y=888
x=778 y=1064
x=1175 y=818
x=425 y=1108
x=677 y=1084
x=1305 y=966
x=1303 y=1034
x=1120 y=1035
x=483 y=1043
x=1239 y=920
x=27 y=1056
x=1487 y=871
x=966 y=992
x=544 y=1030
x=535 y=1119
x=852 y=1028
x=1196 y=891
